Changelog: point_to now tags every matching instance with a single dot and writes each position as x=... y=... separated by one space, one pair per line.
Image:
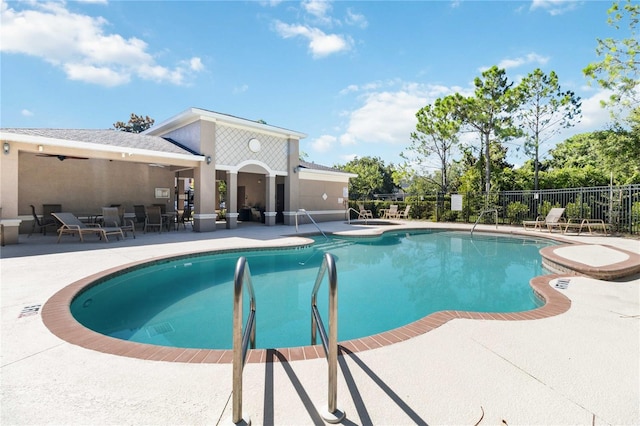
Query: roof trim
x=318 y=168
x=194 y=114
x=64 y=143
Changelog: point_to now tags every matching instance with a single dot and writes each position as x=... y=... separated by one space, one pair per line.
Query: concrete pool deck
x=578 y=367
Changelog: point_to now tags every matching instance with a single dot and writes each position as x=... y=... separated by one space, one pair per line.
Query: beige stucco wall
x=85 y=186
x=312 y=195
x=323 y=195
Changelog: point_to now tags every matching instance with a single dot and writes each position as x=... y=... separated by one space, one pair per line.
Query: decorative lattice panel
x=232 y=148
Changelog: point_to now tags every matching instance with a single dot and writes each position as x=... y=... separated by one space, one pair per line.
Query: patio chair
x=391 y=212
x=364 y=213
x=114 y=216
x=405 y=213
x=185 y=217
x=154 y=218
x=71 y=225
x=141 y=215
x=554 y=218
x=42 y=224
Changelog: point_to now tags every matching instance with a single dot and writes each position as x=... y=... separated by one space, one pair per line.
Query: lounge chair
x=364 y=213
x=114 y=217
x=154 y=218
x=71 y=225
x=42 y=224
x=554 y=218
x=391 y=212
x=405 y=213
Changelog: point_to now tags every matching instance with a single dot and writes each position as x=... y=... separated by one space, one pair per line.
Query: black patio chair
x=141 y=215
x=42 y=224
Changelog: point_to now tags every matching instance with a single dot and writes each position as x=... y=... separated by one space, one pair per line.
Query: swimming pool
x=384 y=282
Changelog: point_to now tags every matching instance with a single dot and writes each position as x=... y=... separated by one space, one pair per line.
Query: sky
x=351 y=75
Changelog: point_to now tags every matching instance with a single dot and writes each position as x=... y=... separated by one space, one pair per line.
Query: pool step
x=332 y=245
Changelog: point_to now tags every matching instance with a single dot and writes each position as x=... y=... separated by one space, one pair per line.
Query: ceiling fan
x=62 y=157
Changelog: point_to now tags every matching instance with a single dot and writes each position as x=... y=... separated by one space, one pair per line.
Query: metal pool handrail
x=330 y=342
x=480 y=217
x=356 y=212
x=314 y=222
x=241 y=340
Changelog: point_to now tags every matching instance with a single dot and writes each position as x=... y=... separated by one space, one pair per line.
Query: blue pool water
x=383 y=282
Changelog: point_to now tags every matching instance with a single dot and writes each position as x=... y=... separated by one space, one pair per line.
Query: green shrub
x=449 y=216
x=516 y=212
x=575 y=211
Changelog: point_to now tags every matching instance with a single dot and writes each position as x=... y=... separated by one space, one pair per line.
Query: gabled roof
x=194 y=114
x=106 y=137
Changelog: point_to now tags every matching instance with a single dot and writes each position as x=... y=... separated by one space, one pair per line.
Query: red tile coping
x=56 y=315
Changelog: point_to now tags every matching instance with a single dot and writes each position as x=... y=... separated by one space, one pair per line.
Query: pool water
x=383 y=283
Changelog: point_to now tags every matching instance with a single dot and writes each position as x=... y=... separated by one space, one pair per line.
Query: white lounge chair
x=71 y=225
x=554 y=218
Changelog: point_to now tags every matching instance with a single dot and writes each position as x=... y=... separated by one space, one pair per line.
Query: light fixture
x=6 y=147
x=40 y=148
x=208 y=159
x=296 y=169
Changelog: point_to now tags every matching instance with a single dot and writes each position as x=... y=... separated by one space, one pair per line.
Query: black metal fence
x=618 y=206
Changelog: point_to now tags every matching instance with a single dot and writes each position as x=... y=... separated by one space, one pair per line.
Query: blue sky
x=349 y=74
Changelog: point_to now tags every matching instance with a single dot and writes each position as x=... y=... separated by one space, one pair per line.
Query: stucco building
x=180 y=161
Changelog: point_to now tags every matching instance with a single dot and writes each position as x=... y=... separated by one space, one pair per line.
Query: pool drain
x=157 y=329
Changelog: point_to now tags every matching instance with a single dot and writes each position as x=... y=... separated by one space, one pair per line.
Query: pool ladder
x=241 y=340
x=330 y=341
x=480 y=217
x=304 y=212
x=349 y=210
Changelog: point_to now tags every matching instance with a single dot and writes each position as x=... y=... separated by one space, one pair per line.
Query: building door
x=280 y=203
x=241 y=197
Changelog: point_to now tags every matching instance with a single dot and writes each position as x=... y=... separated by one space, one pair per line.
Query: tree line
x=524 y=116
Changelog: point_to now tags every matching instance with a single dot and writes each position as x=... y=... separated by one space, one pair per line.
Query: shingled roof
x=107 y=137
x=314 y=166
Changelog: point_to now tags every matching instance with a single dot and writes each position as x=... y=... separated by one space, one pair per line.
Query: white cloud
x=555 y=7
x=324 y=143
x=594 y=116
x=356 y=19
x=531 y=58
x=317 y=8
x=511 y=63
x=348 y=157
x=103 y=76
x=385 y=117
x=196 y=64
x=26 y=113
x=320 y=44
x=79 y=45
